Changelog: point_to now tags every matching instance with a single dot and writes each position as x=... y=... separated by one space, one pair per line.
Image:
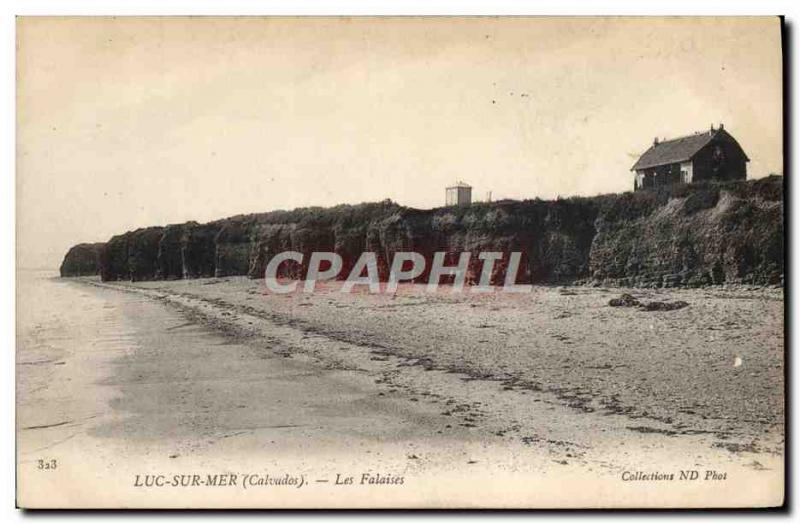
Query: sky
x=130 y=122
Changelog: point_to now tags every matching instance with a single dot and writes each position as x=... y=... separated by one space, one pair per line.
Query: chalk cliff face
x=82 y=260
x=132 y=255
x=187 y=251
x=676 y=236
x=692 y=236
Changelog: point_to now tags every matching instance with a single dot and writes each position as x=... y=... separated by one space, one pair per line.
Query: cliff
x=82 y=260
x=692 y=236
x=676 y=236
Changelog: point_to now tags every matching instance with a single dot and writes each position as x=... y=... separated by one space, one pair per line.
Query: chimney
x=721 y=126
x=712 y=128
x=655 y=141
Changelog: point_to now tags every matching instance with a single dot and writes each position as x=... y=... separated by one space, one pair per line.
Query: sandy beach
x=555 y=384
x=673 y=372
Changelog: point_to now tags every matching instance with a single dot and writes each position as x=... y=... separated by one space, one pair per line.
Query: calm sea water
x=69 y=338
x=95 y=364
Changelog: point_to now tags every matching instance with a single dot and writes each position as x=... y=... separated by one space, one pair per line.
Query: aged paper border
x=6 y=261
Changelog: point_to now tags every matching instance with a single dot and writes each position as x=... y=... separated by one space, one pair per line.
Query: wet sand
x=542 y=393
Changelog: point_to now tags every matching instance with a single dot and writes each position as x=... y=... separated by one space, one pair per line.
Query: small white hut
x=459 y=194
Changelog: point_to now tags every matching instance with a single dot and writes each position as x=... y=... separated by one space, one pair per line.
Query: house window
x=684 y=176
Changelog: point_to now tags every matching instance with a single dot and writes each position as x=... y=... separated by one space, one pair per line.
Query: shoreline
x=423 y=376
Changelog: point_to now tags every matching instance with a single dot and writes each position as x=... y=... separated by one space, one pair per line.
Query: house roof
x=678 y=149
x=460 y=184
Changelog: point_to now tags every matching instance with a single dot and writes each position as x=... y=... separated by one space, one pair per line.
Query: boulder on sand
x=663 y=306
x=627 y=300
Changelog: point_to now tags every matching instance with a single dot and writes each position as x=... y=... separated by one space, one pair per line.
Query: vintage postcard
x=400 y=262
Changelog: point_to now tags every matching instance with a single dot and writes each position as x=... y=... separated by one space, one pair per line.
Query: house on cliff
x=709 y=155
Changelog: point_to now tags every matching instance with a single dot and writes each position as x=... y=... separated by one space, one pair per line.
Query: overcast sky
x=124 y=123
